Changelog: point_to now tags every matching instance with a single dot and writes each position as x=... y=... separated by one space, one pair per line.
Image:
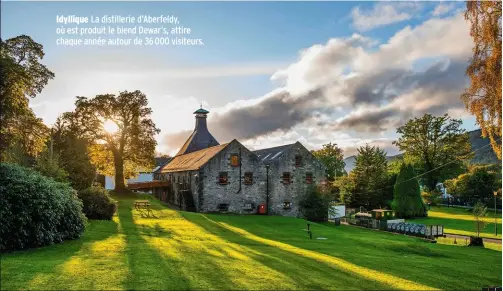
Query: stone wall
x=207 y=193
x=280 y=193
x=180 y=192
x=236 y=194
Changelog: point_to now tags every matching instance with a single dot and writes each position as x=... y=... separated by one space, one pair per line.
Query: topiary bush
x=36 y=210
x=97 y=203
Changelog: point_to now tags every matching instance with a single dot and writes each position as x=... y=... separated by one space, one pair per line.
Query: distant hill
x=483 y=156
x=350 y=161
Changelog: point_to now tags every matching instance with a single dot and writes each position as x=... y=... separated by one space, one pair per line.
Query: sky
x=270 y=73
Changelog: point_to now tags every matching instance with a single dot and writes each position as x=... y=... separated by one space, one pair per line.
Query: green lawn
x=460 y=221
x=181 y=250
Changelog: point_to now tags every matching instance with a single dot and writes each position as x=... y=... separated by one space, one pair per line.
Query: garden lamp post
x=495 y=219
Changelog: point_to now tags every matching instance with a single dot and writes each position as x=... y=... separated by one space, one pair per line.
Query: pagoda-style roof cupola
x=200 y=138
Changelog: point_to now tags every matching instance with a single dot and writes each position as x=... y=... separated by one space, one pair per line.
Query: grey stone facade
x=284 y=197
x=240 y=197
x=231 y=178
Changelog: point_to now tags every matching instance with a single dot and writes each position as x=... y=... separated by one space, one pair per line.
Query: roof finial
x=201 y=104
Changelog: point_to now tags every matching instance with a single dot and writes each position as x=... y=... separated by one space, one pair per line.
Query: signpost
x=495 y=219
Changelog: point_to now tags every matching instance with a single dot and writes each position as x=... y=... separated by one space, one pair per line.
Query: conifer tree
x=407 y=201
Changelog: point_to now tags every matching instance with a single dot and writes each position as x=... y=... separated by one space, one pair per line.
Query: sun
x=110 y=126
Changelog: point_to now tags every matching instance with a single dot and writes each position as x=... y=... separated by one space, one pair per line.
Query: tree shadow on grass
x=435 y=266
x=189 y=258
x=302 y=271
x=46 y=267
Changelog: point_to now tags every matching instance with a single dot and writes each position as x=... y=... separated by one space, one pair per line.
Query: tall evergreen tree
x=73 y=152
x=371 y=177
x=407 y=201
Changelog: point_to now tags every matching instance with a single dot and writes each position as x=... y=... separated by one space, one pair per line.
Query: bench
x=139 y=204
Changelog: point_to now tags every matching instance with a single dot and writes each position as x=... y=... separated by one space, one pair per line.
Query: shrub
x=36 y=210
x=97 y=203
x=314 y=204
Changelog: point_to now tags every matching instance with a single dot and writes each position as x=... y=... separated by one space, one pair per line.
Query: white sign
x=338 y=210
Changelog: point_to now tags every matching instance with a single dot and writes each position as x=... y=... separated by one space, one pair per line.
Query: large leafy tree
x=478 y=183
x=436 y=146
x=331 y=156
x=23 y=76
x=120 y=130
x=346 y=188
x=483 y=97
x=407 y=201
x=370 y=177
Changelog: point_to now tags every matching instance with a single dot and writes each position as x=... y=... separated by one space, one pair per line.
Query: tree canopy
x=483 y=97
x=120 y=131
x=23 y=76
x=436 y=146
x=331 y=156
x=73 y=152
x=478 y=183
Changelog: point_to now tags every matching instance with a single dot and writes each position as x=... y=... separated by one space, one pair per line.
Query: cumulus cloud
x=380 y=15
x=442 y=9
x=350 y=84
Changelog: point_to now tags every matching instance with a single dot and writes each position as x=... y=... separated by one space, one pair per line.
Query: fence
x=470 y=202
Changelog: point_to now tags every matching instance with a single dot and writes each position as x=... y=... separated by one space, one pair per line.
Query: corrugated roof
x=270 y=155
x=192 y=161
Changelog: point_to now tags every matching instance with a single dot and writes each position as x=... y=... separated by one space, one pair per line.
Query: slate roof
x=161 y=162
x=192 y=161
x=269 y=155
x=200 y=138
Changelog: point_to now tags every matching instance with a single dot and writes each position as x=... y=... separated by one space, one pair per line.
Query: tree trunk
x=119 y=173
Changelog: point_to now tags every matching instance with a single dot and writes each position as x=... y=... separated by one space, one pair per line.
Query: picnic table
x=139 y=204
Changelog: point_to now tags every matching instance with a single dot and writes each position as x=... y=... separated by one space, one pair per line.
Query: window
x=223 y=207
x=298 y=161
x=309 y=178
x=287 y=205
x=286 y=178
x=223 y=178
x=248 y=206
x=248 y=178
x=234 y=160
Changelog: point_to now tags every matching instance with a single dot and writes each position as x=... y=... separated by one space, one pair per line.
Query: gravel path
x=463 y=237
